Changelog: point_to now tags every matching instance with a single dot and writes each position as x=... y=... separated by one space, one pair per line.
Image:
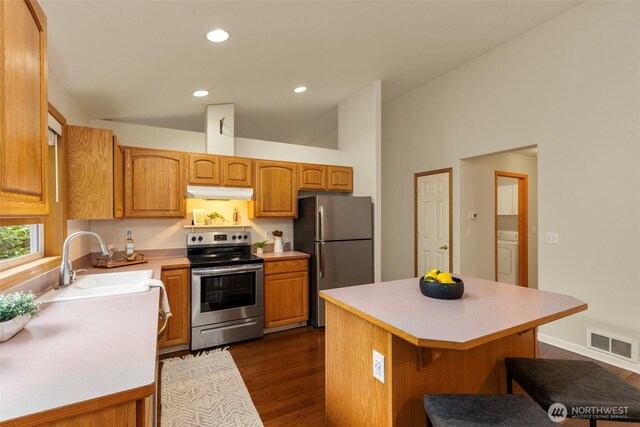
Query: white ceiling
x=139 y=61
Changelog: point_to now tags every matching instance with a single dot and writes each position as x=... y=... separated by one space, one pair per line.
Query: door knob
x=445 y=247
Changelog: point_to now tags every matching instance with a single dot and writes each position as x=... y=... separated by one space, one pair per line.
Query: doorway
x=432 y=221
x=511 y=225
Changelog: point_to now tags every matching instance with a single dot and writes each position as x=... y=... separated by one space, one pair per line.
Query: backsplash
x=168 y=233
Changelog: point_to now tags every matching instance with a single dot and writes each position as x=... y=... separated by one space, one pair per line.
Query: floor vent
x=623 y=348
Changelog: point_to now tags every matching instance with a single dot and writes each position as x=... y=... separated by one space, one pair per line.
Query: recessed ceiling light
x=300 y=89
x=217 y=35
x=200 y=93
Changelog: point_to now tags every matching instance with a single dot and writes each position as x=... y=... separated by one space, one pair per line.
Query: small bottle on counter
x=129 y=250
x=235 y=215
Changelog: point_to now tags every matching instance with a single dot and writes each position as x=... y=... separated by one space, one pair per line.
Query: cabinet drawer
x=272 y=267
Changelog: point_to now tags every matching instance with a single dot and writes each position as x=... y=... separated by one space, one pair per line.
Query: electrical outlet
x=552 y=238
x=378 y=366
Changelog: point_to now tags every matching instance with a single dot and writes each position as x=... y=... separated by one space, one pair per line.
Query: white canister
x=278 y=245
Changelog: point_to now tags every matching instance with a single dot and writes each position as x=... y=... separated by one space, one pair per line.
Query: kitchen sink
x=101 y=285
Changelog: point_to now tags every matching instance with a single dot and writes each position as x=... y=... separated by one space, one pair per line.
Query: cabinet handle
x=445 y=247
x=164 y=326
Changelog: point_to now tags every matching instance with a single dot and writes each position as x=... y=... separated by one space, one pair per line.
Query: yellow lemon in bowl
x=444 y=277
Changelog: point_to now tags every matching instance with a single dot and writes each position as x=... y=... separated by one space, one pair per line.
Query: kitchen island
x=429 y=345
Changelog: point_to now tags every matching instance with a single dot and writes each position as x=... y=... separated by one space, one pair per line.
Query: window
x=20 y=244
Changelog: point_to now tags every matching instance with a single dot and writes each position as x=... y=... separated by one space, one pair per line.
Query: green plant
x=15 y=241
x=16 y=304
x=260 y=244
x=214 y=215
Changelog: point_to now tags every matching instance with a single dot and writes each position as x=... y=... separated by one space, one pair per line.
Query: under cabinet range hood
x=219 y=193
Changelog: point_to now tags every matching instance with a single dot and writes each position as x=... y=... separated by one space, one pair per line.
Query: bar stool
x=480 y=410
x=587 y=390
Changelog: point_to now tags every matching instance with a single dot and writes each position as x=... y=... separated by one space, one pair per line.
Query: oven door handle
x=225 y=270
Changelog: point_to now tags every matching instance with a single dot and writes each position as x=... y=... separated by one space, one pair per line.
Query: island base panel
x=355 y=398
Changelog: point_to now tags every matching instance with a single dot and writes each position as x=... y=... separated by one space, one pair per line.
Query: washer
x=508 y=257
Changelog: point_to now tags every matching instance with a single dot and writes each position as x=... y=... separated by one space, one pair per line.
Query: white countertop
x=487 y=310
x=79 y=350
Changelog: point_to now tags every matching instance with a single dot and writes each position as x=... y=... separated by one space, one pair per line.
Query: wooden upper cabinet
x=23 y=110
x=275 y=191
x=204 y=169
x=340 y=178
x=94 y=174
x=154 y=183
x=118 y=178
x=236 y=171
x=312 y=177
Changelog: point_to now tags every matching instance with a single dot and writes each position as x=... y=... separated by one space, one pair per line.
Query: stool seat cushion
x=574 y=383
x=477 y=410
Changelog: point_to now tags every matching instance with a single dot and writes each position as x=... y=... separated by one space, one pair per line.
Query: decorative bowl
x=442 y=290
x=11 y=327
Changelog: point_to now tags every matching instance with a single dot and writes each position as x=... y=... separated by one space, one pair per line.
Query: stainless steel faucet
x=66 y=272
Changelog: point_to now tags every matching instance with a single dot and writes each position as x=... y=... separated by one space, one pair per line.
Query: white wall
x=571 y=87
x=477 y=194
x=220 y=140
x=259 y=149
x=153 y=137
x=359 y=140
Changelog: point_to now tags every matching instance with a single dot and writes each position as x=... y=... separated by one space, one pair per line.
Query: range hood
x=219 y=193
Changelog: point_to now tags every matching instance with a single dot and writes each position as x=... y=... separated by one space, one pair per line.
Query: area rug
x=205 y=390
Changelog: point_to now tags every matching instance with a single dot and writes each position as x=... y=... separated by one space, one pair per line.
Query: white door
x=433 y=222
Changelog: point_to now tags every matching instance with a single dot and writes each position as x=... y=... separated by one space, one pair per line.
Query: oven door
x=221 y=294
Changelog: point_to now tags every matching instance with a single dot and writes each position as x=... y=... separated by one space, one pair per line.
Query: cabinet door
x=312 y=177
x=276 y=190
x=204 y=169
x=177 y=283
x=340 y=178
x=118 y=178
x=90 y=173
x=23 y=109
x=154 y=184
x=236 y=172
x=286 y=298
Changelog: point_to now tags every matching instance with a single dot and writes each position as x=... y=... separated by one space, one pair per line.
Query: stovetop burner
x=220 y=249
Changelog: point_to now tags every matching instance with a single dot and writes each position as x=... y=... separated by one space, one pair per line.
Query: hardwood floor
x=284 y=373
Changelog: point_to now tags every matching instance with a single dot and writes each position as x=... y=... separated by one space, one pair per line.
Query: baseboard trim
x=583 y=351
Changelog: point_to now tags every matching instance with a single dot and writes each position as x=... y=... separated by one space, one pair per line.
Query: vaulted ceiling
x=138 y=61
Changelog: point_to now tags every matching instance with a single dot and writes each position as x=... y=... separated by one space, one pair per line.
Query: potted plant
x=215 y=218
x=16 y=309
x=260 y=246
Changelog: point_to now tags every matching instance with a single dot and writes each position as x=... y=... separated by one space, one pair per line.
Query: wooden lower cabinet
x=286 y=292
x=177 y=283
x=130 y=408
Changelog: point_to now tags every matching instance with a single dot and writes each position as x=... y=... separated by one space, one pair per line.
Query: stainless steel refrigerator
x=337 y=231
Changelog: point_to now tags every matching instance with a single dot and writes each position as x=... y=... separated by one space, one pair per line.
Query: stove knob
x=246 y=237
x=193 y=239
x=200 y=239
x=234 y=237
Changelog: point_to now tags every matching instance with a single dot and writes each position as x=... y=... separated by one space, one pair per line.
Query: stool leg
x=509 y=383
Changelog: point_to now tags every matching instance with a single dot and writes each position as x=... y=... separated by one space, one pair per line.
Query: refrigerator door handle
x=320 y=261
x=321 y=222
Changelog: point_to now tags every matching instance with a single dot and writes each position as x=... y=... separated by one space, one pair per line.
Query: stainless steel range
x=226 y=289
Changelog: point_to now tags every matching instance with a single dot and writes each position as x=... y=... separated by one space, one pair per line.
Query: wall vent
x=620 y=347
